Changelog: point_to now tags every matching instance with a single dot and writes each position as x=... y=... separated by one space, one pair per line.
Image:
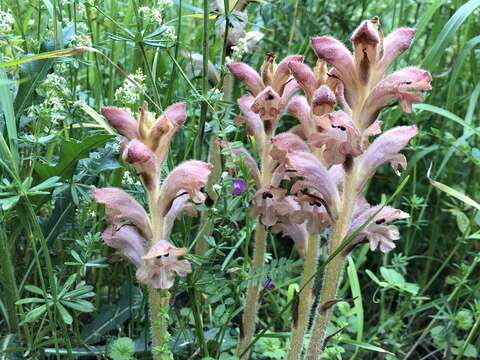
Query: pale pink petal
x=253 y=121
x=282 y=72
x=339 y=137
x=248 y=76
x=298 y=107
x=385 y=148
x=122 y=209
x=366 y=40
x=305 y=77
x=266 y=205
x=268 y=106
x=323 y=100
x=298 y=233
x=395 y=44
x=285 y=142
x=127 y=241
x=143 y=159
x=406 y=85
x=179 y=205
x=291 y=87
x=122 y=121
x=336 y=54
x=312 y=170
x=188 y=177
x=176 y=113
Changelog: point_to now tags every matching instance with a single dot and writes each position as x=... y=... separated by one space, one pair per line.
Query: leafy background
x=63 y=292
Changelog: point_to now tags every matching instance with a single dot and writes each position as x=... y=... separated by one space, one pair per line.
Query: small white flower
x=6 y=22
x=128 y=93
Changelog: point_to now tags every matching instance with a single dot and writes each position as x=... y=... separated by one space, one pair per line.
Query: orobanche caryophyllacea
x=328 y=158
x=143 y=238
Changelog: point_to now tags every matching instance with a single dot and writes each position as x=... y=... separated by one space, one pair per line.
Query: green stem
x=251 y=306
x=300 y=323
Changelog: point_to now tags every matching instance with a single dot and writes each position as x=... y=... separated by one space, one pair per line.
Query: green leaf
x=34 y=289
x=393 y=277
x=357 y=295
x=79 y=305
x=34 y=314
x=64 y=314
x=365 y=346
x=9 y=202
x=452 y=192
x=70 y=152
x=448 y=32
x=29 y=300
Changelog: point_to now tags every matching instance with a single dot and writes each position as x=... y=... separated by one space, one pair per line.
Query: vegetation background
x=62 y=292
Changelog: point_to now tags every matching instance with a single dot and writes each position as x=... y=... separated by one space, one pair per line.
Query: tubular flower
x=161 y=263
x=361 y=74
x=378 y=231
x=149 y=137
x=272 y=90
x=128 y=234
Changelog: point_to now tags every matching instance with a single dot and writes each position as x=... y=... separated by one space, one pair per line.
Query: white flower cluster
x=128 y=93
x=56 y=92
x=151 y=15
x=6 y=22
x=155 y=15
x=79 y=40
x=238 y=50
x=169 y=35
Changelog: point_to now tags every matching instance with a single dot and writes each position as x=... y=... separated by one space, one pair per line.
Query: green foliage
x=122 y=349
x=62 y=291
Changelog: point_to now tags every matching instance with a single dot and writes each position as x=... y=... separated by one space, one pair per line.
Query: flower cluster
x=140 y=238
x=128 y=93
x=6 y=22
x=338 y=115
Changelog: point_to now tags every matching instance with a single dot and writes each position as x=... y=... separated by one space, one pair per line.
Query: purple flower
x=268 y=284
x=239 y=187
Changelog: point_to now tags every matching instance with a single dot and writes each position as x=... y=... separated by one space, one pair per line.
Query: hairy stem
x=334 y=269
x=251 y=305
x=159 y=302
x=158 y=299
x=331 y=281
x=300 y=323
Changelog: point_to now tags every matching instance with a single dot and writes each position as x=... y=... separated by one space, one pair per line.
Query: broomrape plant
x=143 y=238
x=329 y=157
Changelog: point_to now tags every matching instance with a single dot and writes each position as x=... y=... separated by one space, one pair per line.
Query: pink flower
x=155 y=134
x=161 y=263
x=406 y=85
x=379 y=232
x=187 y=178
x=386 y=148
x=338 y=136
x=252 y=120
x=143 y=159
x=315 y=176
x=121 y=209
x=127 y=241
x=272 y=91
